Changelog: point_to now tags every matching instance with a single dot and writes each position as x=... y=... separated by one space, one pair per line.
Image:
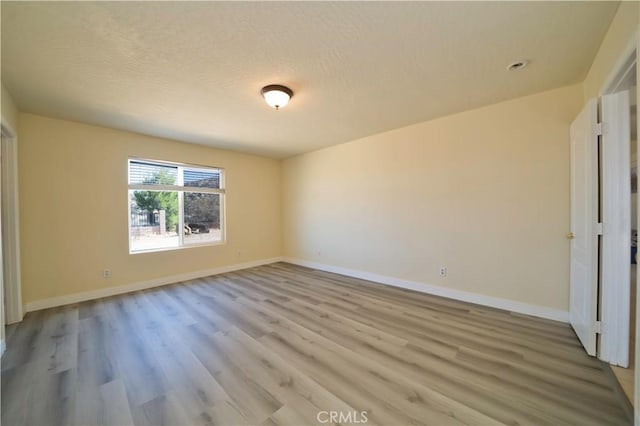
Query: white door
x=584 y=216
x=616 y=219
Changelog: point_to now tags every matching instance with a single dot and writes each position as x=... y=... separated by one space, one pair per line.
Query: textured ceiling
x=192 y=71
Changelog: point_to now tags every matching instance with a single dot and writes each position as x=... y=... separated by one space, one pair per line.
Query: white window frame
x=180 y=189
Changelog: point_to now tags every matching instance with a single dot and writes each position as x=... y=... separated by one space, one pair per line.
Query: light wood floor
x=277 y=344
x=626 y=376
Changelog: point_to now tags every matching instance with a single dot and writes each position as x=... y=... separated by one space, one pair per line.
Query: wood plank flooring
x=626 y=376
x=277 y=344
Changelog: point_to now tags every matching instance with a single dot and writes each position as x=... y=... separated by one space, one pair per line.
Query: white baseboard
x=480 y=299
x=494 y=302
x=157 y=282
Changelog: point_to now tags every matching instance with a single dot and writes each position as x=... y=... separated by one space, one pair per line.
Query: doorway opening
x=618 y=203
x=603 y=140
x=3 y=308
x=11 y=303
x=627 y=82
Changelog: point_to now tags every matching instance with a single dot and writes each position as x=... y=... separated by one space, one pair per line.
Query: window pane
x=201 y=218
x=202 y=178
x=142 y=173
x=154 y=220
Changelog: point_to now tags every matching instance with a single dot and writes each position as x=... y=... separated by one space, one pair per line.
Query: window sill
x=186 y=246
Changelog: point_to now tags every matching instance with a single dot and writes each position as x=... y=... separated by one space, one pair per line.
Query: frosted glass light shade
x=276 y=96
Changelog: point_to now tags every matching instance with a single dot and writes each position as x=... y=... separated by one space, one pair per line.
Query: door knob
x=571 y=235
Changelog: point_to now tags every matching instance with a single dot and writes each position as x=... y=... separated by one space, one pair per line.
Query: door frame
x=11 y=227
x=615 y=298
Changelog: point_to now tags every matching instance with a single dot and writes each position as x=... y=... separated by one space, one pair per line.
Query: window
x=174 y=205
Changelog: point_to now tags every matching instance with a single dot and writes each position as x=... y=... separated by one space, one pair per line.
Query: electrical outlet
x=443 y=271
x=106 y=273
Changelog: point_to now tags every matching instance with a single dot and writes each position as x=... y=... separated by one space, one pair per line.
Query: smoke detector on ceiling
x=518 y=65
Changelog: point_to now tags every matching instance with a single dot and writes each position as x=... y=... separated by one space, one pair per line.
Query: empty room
x=319 y=213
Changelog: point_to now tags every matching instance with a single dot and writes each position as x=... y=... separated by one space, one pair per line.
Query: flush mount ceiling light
x=518 y=65
x=276 y=96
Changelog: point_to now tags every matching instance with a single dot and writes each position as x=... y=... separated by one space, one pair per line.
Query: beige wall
x=73 y=203
x=618 y=38
x=484 y=192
